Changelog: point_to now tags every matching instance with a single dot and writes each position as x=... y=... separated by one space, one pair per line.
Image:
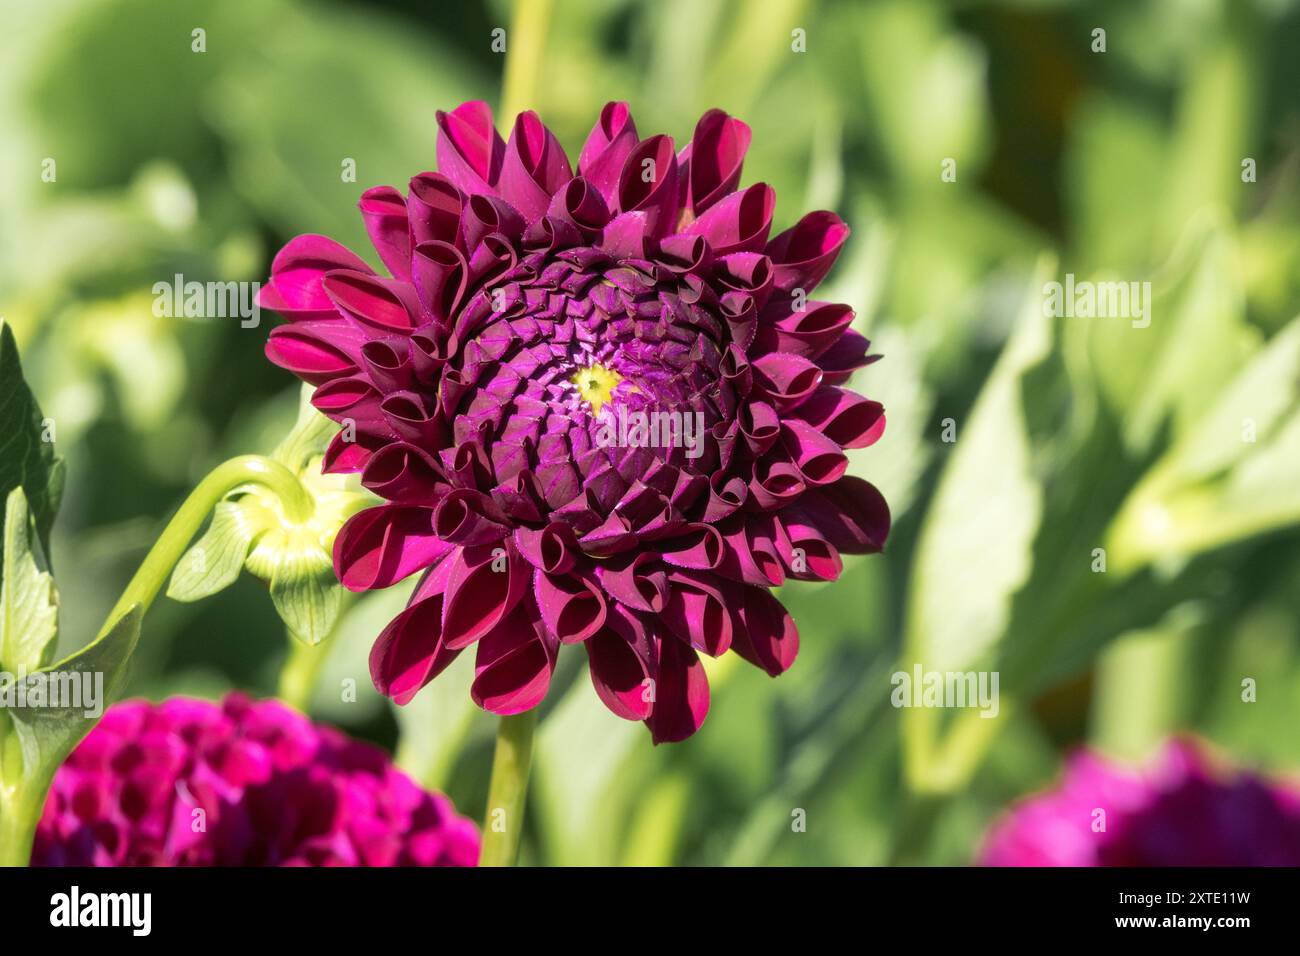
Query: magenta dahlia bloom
x=1178 y=811
x=603 y=409
x=241 y=783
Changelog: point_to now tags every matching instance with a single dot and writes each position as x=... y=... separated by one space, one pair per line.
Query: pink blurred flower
x=1177 y=811
x=485 y=389
x=242 y=783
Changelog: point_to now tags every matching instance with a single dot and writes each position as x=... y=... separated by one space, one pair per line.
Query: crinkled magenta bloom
x=603 y=409
x=242 y=783
x=1179 y=811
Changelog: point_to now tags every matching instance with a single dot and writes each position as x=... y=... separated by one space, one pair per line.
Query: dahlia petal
x=405 y=474
x=514 y=664
x=803 y=254
x=701 y=547
x=485 y=215
x=346 y=455
x=409 y=652
x=648 y=183
x=534 y=168
x=469 y=518
x=307 y=354
x=638 y=582
x=571 y=607
x=384 y=212
x=411 y=418
x=554 y=549
x=483 y=588
x=697 y=611
x=681 y=693
x=441 y=276
x=774 y=484
x=819 y=460
x=470 y=151
x=761 y=427
x=738 y=223
x=374 y=302
x=387 y=362
x=379 y=546
x=750 y=555
x=846 y=356
x=685 y=254
x=786 y=379
x=296 y=272
x=433 y=210
x=716 y=154
x=748 y=272
x=844 y=417
x=604 y=154
x=349 y=399
x=809 y=332
x=626 y=234
x=619 y=675
x=769 y=638
x=851 y=514
x=581 y=204
x=807 y=555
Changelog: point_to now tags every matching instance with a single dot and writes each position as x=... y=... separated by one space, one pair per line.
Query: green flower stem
x=299 y=673
x=525 y=44
x=188 y=520
x=503 y=822
x=20 y=812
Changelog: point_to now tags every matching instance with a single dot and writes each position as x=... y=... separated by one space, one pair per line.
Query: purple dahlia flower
x=241 y=783
x=602 y=407
x=1178 y=811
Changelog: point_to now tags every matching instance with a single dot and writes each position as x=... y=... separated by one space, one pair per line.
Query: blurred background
x=1113 y=530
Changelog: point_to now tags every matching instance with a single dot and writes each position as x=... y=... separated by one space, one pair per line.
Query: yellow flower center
x=596 y=385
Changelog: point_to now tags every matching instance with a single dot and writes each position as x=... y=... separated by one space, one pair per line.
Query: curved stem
x=193 y=512
x=503 y=822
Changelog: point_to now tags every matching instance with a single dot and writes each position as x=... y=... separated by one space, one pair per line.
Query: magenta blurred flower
x=602 y=408
x=242 y=783
x=1178 y=811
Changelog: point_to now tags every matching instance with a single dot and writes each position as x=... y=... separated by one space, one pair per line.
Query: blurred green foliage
x=1071 y=434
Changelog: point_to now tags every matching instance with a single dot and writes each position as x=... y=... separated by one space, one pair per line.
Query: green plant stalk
x=503 y=821
x=300 y=672
x=525 y=44
x=20 y=812
x=21 y=798
x=193 y=512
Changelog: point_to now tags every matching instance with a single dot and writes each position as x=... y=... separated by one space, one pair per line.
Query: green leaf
x=1157 y=375
x=974 y=549
x=29 y=615
x=1232 y=475
x=214 y=562
x=26 y=457
x=47 y=734
x=1259 y=399
x=305 y=593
